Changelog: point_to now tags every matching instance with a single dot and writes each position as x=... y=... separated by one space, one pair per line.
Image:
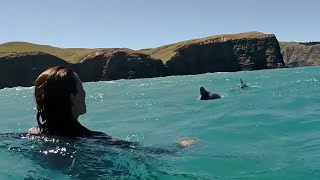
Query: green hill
x=71 y=55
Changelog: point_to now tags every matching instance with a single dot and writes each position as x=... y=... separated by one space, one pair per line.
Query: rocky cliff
x=21 y=69
x=226 y=53
x=118 y=64
x=21 y=63
x=300 y=54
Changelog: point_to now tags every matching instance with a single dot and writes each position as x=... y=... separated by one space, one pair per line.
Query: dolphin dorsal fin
x=203 y=91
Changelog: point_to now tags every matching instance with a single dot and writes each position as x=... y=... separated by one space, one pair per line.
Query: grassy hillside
x=71 y=55
x=165 y=52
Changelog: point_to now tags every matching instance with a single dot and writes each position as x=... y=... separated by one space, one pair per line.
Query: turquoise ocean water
x=268 y=131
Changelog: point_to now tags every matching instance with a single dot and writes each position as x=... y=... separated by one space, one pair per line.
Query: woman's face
x=78 y=104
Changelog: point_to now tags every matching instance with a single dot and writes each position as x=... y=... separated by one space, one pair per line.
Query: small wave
x=109 y=82
x=141 y=85
x=20 y=88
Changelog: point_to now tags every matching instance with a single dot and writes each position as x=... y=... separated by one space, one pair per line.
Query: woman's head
x=60 y=98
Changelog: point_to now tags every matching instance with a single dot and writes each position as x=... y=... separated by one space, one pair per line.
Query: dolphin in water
x=206 y=95
x=242 y=85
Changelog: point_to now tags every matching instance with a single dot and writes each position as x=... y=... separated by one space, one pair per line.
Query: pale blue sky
x=140 y=24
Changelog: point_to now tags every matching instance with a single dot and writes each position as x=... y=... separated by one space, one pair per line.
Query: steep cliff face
x=22 y=69
x=89 y=68
x=226 y=54
x=220 y=53
x=119 y=64
x=299 y=54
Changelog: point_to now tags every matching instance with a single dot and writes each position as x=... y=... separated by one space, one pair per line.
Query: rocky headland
x=300 y=54
x=21 y=63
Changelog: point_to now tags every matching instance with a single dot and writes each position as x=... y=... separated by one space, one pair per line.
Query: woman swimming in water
x=60 y=100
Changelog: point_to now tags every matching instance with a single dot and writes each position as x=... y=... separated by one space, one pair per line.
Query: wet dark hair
x=52 y=95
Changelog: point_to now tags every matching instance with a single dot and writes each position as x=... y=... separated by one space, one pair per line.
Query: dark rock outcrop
x=225 y=54
x=297 y=54
x=118 y=64
x=22 y=69
x=311 y=43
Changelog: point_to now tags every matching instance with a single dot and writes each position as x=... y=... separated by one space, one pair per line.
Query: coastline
x=220 y=53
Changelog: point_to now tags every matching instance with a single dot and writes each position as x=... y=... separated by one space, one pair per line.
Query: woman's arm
x=109 y=140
